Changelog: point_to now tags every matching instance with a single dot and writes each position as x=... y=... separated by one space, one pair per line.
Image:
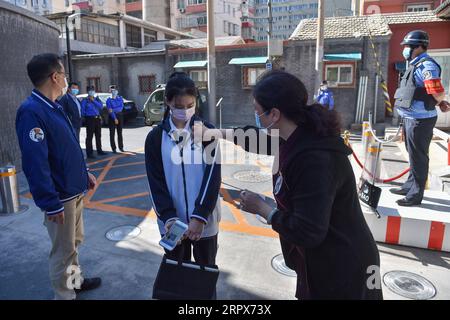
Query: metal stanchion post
x=9 y=192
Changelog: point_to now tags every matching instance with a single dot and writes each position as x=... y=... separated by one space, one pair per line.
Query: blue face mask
x=114 y=93
x=407 y=52
x=258 y=122
x=91 y=93
x=75 y=91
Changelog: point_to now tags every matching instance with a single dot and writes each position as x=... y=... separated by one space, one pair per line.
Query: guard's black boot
x=399 y=191
x=408 y=202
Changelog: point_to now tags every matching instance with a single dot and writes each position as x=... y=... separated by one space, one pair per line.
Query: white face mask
x=182 y=114
x=64 y=89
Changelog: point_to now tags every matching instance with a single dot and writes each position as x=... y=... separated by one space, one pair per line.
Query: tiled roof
x=356 y=26
x=202 y=42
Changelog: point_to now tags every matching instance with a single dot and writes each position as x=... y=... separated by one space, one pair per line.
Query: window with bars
x=94 y=81
x=133 y=36
x=250 y=75
x=340 y=74
x=418 y=7
x=147 y=84
x=200 y=77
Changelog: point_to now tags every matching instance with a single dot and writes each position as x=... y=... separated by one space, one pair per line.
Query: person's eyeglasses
x=60 y=72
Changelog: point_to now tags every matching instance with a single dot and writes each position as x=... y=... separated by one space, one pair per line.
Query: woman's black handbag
x=178 y=280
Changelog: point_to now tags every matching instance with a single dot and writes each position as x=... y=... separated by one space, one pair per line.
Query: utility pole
x=69 y=53
x=211 y=62
x=269 y=30
x=319 y=44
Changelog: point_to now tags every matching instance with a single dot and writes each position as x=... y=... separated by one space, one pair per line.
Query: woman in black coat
x=323 y=233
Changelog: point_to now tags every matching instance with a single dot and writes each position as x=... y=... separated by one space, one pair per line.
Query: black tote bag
x=177 y=280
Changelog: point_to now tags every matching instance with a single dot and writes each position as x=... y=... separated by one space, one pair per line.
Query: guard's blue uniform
x=326 y=99
x=425 y=71
x=52 y=159
x=114 y=106
x=91 y=108
x=416 y=105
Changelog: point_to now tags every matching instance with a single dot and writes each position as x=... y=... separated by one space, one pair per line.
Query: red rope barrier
x=379 y=180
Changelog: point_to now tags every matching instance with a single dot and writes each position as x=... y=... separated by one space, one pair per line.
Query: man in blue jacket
x=72 y=106
x=91 y=108
x=115 y=108
x=54 y=166
x=325 y=96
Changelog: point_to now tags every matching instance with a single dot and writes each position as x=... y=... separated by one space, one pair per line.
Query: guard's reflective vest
x=408 y=91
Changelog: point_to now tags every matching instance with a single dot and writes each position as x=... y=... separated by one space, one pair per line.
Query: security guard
x=56 y=172
x=419 y=93
x=115 y=108
x=325 y=96
x=91 y=108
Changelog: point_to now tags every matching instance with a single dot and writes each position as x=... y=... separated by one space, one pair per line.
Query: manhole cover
x=409 y=285
x=252 y=176
x=123 y=233
x=280 y=266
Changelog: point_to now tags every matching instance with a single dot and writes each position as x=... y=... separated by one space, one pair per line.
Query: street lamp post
x=69 y=19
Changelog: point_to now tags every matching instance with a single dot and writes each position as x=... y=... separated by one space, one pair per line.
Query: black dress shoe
x=89 y=284
x=114 y=151
x=102 y=153
x=121 y=150
x=408 y=202
x=399 y=191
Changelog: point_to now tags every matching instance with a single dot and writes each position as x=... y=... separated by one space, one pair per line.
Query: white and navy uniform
x=182 y=184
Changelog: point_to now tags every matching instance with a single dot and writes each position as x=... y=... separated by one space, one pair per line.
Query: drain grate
x=280 y=266
x=409 y=285
x=252 y=176
x=123 y=233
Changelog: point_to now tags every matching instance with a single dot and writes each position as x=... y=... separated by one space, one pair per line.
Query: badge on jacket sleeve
x=427 y=75
x=36 y=134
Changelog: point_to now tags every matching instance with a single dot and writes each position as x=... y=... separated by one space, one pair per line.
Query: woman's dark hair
x=179 y=84
x=282 y=90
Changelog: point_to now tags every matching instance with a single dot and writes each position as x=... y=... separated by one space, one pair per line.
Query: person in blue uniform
x=325 y=96
x=114 y=104
x=416 y=99
x=91 y=108
x=54 y=166
x=72 y=106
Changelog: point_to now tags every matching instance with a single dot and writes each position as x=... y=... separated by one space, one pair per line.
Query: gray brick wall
x=123 y=71
x=237 y=107
x=22 y=35
x=299 y=59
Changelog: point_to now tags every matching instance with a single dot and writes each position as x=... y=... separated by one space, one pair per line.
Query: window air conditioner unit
x=182 y=10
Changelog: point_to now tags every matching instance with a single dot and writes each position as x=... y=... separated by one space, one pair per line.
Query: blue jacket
x=52 y=158
x=114 y=106
x=326 y=99
x=91 y=108
x=71 y=108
